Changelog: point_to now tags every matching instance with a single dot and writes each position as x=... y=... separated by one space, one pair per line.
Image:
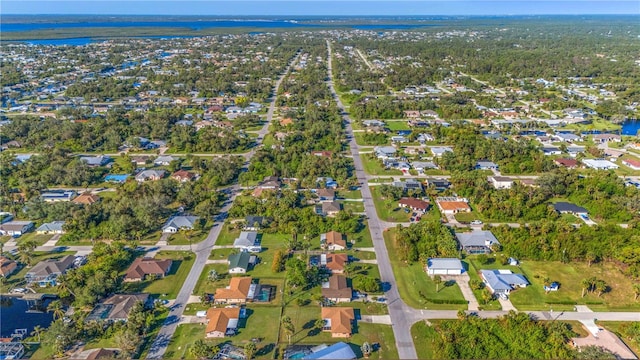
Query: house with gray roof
x=177 y=223
x=164 y=160
x=486 y=165
x=46 y=272
x=440 y=150
x=339 y=350
x=444 y=266
x=477 y=242
x=384 y=152
x=54 y=227
x=117 y=307
x=150 y=175
x=503 y=281
x=95 y=161
x=248 y=241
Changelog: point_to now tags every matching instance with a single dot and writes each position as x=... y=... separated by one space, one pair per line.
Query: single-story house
x=409 y=184
x=222 y=322
x=177 y=223
x=95 y=354
x=183 y=176
x=255 y=223
x=568 y=163
x=338 y=321
x=554 y=286
x=452 y=205
x=477 y=241
x=567 y=137
x=7 y=266
x=603 y=138
x=569 y=208
x=501 y=182
x=54 y=227
x=503 y=281
x=551 y=150
x=599 y=164
x=240 y=289
x=333 y=241
x=45 y=272
x=150 y=175
x=328 y=208
x=439 y=184
x=421 y=166
x=241 y=262
x=86 y=199
x=368 y=123
x=440 y=150
x=339 y=350
x=334 y=262
x=336 y=289
x=57 y=195
x=399 y=139
x=164 y=160
x=95 y=161
x=143 y=267
x=270 y=183
x=117 y=307
x=325 y=194
x=384 y=152
x=444 y=266
x=486 y=165
x=16 y=227
x=414 y=204
x=248 y=241
x=632 y=163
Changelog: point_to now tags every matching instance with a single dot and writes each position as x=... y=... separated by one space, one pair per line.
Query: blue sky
x=320 y=7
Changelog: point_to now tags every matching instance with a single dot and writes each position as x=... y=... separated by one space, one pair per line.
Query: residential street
x=203 y=249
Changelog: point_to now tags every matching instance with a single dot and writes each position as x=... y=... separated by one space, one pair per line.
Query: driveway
x=463 y=283
x=506 y=304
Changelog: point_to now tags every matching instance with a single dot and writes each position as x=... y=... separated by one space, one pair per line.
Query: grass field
x=395 y=125
x=413 y=282
x=619 y=298
x=359 y=136
x=169 y=286
x=374 y=166
x=353 y=206
x=349 y=194
x=182 y=237
x=388 y=209
x=422 y=339
x=363 y=237
x=40 y=239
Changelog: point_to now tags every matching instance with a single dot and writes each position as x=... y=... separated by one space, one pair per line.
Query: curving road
x=203 y=249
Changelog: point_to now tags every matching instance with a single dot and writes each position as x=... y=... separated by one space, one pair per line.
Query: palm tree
x=586 y=284
x=288 y=327
x=250 y=350
x=636 y=291
x=438 y=280
x=56 y=308
x=37 y=331
x=63 y=285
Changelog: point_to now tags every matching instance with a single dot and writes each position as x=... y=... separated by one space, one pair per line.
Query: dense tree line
x=513 y=336
x=424 y=240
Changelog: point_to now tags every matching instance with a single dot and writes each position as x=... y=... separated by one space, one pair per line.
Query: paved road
x=203 y=249
x=397 y=308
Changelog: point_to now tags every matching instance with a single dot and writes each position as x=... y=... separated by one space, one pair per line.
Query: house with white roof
x=178 y=223
x=444 y=266
x=248 y=241
x=54 y=227
x=599 y=164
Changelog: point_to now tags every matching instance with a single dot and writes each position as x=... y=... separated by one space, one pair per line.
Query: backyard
x=169 y=286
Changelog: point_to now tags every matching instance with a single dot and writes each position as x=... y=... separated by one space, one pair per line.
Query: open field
x=388 y=209
x=373 y=166
x=415 y=286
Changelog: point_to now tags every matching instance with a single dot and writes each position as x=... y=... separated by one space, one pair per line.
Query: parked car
x=476 y=222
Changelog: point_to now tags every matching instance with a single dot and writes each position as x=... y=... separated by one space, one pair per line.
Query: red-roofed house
x=632 y=163
x=568 y=163
x=414 y=204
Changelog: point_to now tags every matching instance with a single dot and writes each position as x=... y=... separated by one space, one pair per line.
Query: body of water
x=630 y=127
x=15 y=314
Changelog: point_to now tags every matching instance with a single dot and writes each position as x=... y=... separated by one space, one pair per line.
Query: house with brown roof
x=334 y=262
x=568 y=163
x=414 y=204
x=7 y=266
x=238 y=291
x=338 y=321
x=336 y=289
x=86 y=199
x=333 y=241
x=325 y=194
x=222 y=322
x=47 y=271
x=183 y=176
x=322 y=153
x=117 y=307
x=143 y=267
x=452 y=205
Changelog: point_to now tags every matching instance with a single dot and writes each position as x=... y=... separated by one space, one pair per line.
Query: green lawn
x=414 y=284
x=359 y=136
x=262 y=323
x=182 y=237
x=40 y=239
x=422 y=335
x=368 y=308
x=467 y=217
x=227 y=235
x=303 y=318
x=397 y=125
x=353 y=206
x=388 y=209
x=473 y=270
x=169 y=286
x=619 y=298
x=373 y=166
x=349 y=194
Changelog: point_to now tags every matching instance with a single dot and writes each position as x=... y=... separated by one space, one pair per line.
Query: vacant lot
x=373 y=166
x=388 y=209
